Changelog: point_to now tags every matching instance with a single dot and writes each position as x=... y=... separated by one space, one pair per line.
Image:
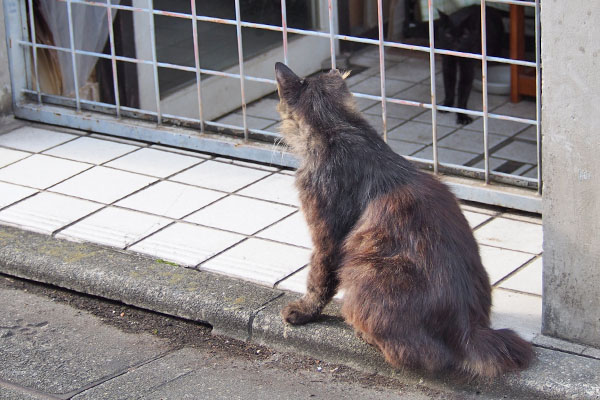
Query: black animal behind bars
x=391 y=236
x=461 y=31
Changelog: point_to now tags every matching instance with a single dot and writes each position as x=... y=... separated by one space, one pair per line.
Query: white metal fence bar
x=73 y=57
x=382 y=68
x=197 y=63
x=238 y=20
x=331 y=34
x=484 y=93
x=538 y=95
x=34 y=51
x=111 y=38
x=15 y=20
x=284 y=31
x=154 y=61
x=525 y=3
x=433 y=91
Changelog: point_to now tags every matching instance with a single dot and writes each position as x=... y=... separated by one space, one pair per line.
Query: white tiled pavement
x=215 y=214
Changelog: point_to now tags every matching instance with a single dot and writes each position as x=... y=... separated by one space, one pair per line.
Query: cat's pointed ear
x=343 y=75
x=286 y=77
x=443 y=17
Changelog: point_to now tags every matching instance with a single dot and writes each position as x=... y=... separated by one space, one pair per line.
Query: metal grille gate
x=200 y=133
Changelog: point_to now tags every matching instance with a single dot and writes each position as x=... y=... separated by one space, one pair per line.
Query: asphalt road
x=57 y=344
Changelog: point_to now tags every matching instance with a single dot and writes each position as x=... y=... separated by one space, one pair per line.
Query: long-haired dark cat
x=391 y=236
x=461 y=31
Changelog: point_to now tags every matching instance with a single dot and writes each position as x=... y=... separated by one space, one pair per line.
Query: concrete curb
x=246 y=311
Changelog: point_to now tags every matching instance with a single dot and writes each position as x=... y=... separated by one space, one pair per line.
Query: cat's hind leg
x=365 y=337
x=386 y=306
x=397 y=334
x=417 y=351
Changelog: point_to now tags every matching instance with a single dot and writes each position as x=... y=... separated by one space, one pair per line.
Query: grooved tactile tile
x=91 y=150
x=186 y=244
x=170 y=199
x=259 y=260
x=511 y=234
x=154 y=162
x=103 y=184
x=33 y=139
x=292 y=229
x=501 y=262
x=277 y=187
x=527 y=280
x=521 y=312
x=47 y=212
x=114 y=227
x=9 y=156
x=240 y=214
x=219 y=176
x=40 y=171
x=475 y=219
x=296 y=282
x=10 y=193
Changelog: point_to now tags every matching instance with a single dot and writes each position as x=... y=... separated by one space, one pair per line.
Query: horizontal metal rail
x=427 y=106
x=137 y=112
x=148 y=62
x=445 y=108
x=524 y=3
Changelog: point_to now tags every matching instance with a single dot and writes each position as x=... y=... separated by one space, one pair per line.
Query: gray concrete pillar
x=571 y=169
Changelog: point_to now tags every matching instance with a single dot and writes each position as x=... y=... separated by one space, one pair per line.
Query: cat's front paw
x=297 y=313
x=463 y=119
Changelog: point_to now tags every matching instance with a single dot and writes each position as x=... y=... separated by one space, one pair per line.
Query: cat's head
x=309 y=107
x=457 y=35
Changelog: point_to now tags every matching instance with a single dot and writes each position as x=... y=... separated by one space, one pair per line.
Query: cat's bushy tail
x=489 y=352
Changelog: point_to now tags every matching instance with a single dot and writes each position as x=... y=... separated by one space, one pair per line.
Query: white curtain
x=90 y=33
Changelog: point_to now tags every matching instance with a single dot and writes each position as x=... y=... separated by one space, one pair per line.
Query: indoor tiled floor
x=512 y=145
x=215 y=214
